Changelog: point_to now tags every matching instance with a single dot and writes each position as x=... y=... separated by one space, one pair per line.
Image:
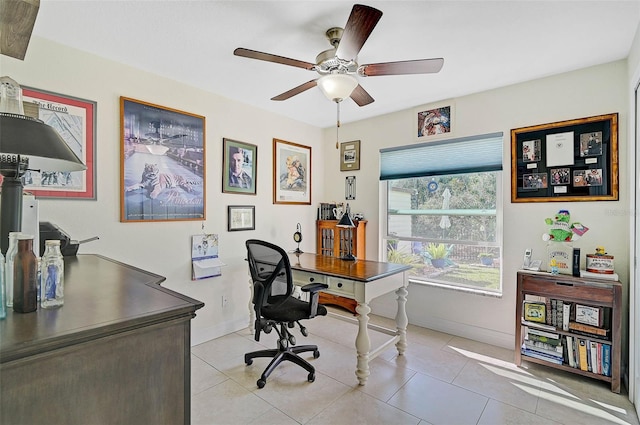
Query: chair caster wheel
x=292 y=340
x=311 y=377
x=316 y=354
x=249 y=362
x=261 y=383
x=304 y=331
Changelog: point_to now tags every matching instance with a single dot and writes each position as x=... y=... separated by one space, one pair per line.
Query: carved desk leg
x=401 y=320
x=363 y=343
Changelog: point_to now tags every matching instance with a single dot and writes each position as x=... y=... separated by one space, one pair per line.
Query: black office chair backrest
x=271 y=273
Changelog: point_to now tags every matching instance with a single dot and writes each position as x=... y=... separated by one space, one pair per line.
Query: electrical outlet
x=225 y=301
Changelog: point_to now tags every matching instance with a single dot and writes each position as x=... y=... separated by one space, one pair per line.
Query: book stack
x=325 y=211
x=542 y=343
x=589 y=355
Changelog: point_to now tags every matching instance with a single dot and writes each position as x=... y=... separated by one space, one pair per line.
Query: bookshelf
x=598 y=301
x=333 y=241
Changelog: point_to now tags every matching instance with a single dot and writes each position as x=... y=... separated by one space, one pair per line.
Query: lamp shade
x=29 y=137
x=346 y=221
x=337 y=87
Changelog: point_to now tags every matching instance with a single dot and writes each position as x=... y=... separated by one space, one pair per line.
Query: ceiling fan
x=338 y=66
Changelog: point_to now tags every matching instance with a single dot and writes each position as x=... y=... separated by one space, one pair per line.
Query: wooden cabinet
x=334 y=241
x=117 y=352
x=597 y=296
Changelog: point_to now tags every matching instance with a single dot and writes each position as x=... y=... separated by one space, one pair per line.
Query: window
x=442 y=212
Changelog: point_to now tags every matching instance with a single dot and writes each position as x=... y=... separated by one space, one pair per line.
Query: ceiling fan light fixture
x=337 y=87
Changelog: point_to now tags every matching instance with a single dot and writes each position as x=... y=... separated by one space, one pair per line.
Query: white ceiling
x=485 y=44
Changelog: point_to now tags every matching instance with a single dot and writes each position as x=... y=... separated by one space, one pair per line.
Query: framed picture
x=574 y=160
x=75 y=120
x=350 y=156
x=433 y=121
x=291 y=173
x=241 y=217
x=239 y=167
x=162 y=163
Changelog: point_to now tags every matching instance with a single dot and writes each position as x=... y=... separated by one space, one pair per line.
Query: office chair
x=277 y=310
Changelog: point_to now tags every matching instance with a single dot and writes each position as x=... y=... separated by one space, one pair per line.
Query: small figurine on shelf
x=553 y=266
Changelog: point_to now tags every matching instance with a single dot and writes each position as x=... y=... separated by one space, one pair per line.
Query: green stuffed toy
x=562 y=230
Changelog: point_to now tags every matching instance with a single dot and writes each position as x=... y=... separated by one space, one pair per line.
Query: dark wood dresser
x=117 y=352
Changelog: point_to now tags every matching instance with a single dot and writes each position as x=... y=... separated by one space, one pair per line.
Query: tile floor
x=441 y=379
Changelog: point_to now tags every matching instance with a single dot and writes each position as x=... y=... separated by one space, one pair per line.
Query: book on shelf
x=606 y=359
x=535 y=331
x=570 y=351
x=588 y=330
x=541 y=356
x=541 y=347
x=613 y=276
x=582 y=350
x=595 y=358
x=538 y=325
x=534 y=311
x=544 y=339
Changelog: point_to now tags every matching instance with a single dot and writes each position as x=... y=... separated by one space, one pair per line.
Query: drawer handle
x=564 y=283
x=339 y=284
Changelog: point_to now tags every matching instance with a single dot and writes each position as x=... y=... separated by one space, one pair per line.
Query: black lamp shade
x=345 y=221
x=46 y=150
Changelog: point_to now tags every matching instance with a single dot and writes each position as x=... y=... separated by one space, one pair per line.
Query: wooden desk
x=117 y=352
x=362 y=281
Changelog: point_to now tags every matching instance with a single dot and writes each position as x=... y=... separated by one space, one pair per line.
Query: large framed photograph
x=75 y=120
x=433 y=121
x=241 y=217
x=162 y=163
x=239 y=167
x=291 y=173
x=574 y=160
x=350 y=156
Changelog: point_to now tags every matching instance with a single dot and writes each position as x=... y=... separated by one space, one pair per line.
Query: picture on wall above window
x=578 y=161
x=239 y=167
x=75 y=120
x=432 y=121
x=350 y=156
x=162 y=163
x=291 y=173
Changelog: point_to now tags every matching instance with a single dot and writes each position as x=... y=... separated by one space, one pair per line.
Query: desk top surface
x=359 y=270
x=101 y=297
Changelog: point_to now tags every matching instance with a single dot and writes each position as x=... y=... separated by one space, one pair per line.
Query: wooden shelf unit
x=585 y=291
x=334 y=241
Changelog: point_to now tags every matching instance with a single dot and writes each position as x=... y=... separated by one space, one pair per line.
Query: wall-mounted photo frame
x=239 y=167
x=350 y=156
x=350 y=188
x=433 y=121
x=291 y=173
x=75 y=120
x=241 y=217
x=565 y=161
x=162 y=165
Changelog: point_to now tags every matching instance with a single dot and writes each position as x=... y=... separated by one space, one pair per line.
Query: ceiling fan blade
x=361 y=97
x=420 y=66
x=252 y=54
x=296 y=90
x=360 y=24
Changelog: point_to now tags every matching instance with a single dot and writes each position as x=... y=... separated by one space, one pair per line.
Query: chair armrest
x=314 y=287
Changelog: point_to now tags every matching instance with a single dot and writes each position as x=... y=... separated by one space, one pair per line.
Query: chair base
x=284 y=354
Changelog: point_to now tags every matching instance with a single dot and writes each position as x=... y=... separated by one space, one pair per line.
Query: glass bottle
x=52 y=275
x=3 y=304
x=8 y=266
x=25 y=285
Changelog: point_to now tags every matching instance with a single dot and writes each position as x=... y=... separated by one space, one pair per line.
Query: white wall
x=587 y=92
x=164 y=247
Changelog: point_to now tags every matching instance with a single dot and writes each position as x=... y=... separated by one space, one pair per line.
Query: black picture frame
x=241 y=217
x=585 y=148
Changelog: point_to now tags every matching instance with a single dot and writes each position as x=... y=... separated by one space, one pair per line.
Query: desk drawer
x=305 y=278
x=341 y=286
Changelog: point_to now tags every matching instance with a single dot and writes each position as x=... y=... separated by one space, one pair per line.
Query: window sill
x=467 y=290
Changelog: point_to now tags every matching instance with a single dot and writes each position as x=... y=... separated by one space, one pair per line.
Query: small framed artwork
x=574 y=160
x=291 y=173
x=241 y=217
x=432 y=121
x=350 y=188
x=75 y=120
x=162 y=163
x=239 y=167
x=350 y=156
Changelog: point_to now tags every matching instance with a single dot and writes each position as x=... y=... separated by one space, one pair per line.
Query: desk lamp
x=25 y=143
x=347 y=223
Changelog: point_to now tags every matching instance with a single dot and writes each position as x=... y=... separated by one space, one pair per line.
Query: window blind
x=455 y=156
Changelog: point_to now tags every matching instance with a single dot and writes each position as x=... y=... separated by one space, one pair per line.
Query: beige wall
x=587 y=92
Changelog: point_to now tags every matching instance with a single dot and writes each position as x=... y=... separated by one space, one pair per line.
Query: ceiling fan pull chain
x=337 y=124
